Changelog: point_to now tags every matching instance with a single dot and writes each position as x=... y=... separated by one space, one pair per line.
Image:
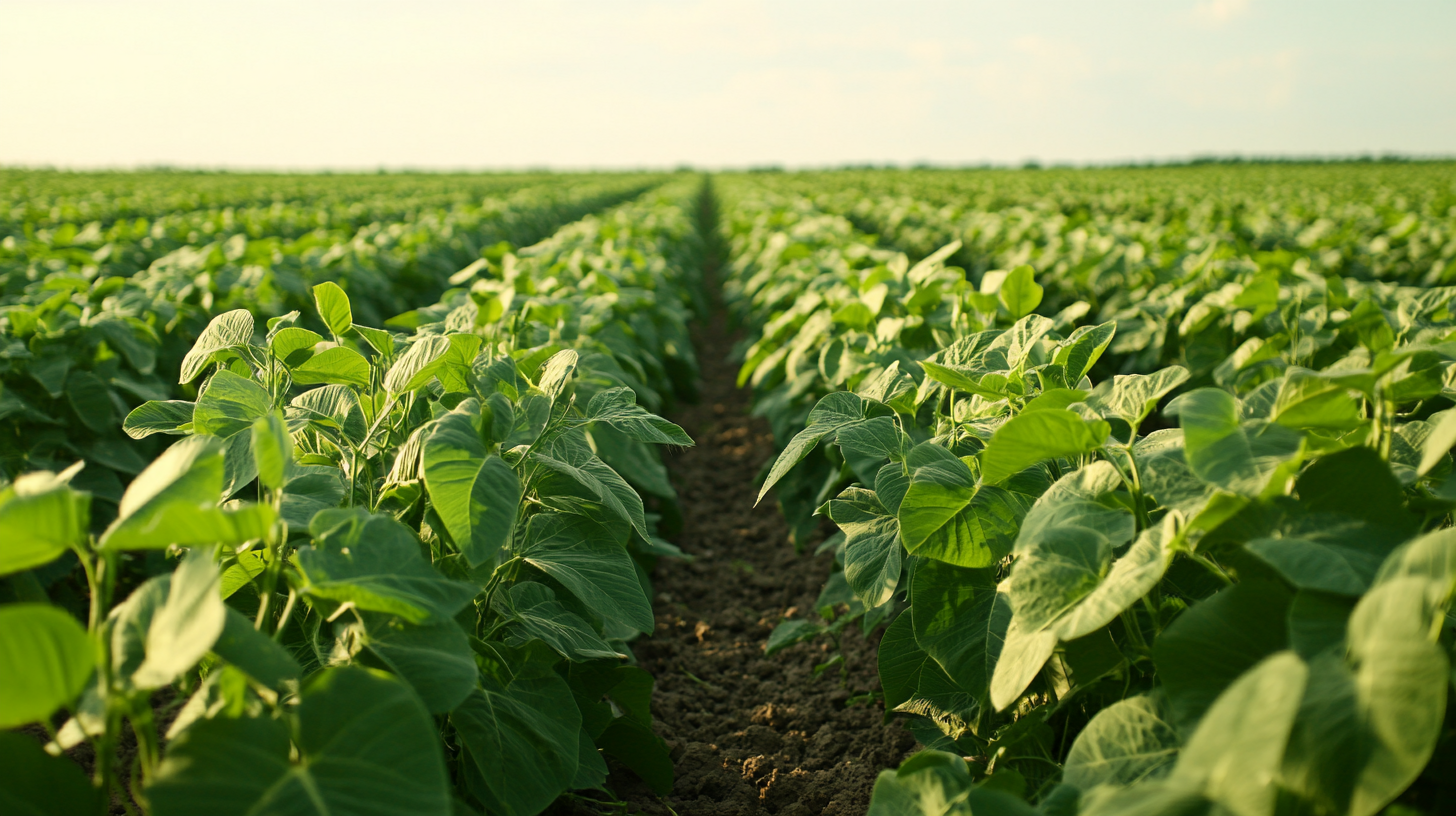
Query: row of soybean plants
x=1196 y=587
x=94 y=321
x=379 y=569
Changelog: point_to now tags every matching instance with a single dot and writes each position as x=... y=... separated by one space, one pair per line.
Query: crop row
x=1155 y=533
x=393 y=567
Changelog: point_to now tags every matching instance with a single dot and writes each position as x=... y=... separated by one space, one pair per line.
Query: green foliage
x=424 y=545
x=1226 y=606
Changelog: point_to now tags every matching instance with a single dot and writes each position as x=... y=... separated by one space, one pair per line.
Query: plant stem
x=1212 y=567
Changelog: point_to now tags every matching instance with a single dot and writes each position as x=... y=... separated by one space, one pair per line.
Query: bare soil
x=749 y=734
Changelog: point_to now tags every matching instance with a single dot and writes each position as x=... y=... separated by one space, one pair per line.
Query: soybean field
x=1067 y=492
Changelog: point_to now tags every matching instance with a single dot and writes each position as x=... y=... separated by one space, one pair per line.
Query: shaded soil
x=749 y=734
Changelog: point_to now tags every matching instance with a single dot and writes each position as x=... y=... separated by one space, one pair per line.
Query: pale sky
x=627 y=83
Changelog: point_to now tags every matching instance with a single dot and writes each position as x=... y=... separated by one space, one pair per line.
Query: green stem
x=1212 y=567
x=287 y=613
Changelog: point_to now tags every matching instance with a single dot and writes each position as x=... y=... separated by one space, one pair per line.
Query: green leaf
x=572 y=460
x=1131 y=397
x=1238 y=457
x=1306 y=400
x=872 y=545
x=91 y=399
x=1215 y=641
x=618 y=408
x=254 y=652
x=521 y=741
x=960 y=620
x=38 y=784
x=1128 y=742
x=534 y=608
x=1235 y=754
x=229 y=404
x=174 y=501
x=375 y=563
x=1036 y=436
x=48 y=659
x=556 y=372
x=945 y=515
x=417 y=365
x=635 y=745
x=578 y=552
x=434 y=658
x=292 y=345
x=829 y=415
x=476 y=494
x=916 y=684
x=339 y=365
x=333 y=406
x=1019 y=292
x=365 y=745
x=929 y=783
x=378 y=339
x=789 y=632
x=168 y=623
x=272 y=450
x=228 y=330
x=158 y=416
x=333 y=307
x=1437 y=447
x=961 y=378
x=1082 y=349
x=41 y=517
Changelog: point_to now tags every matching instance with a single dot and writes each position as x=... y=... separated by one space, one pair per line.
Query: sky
x=312 y=84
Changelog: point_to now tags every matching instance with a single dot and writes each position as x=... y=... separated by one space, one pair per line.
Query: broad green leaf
x=41 y=517
x=1226 y=453
x=538 y=614
x=635 y=745
x=333 y=307
x=254 y=652
x=91 y=399
x=47 y=658
x=1235 y=754
x=618 y=408
x=959 y=620
x=333 y=406
x=639 y=464
x=1131 y=397
x=174 y=501
x=578 y=552
x=365 y=746
x=272 y=450
x=1215 y=641
x=872 y=545
x=945 y=515
x=292 y=345
x=226 y=331
x=168 y=623
x=1082 y=349
x=378 y=339
x=929 y=783
x=1437 y=447
x=38 y=784
x=476 y=494
x=829 y=415
x=915 y=684
x=1128 y=742
x=961 y=379
x=1368 y=726
x=572 y=460
x=1036 y=436
x=556 y=372
x=158 y=416
x=338 y=365
x=1309 y=401
x=434 y=658
x=417 y=365
x=375 y=563
x=521 y=741
x=1019 y=292
x=228 y=405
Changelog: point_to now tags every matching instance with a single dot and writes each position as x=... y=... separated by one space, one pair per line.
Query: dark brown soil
x=749 y=734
